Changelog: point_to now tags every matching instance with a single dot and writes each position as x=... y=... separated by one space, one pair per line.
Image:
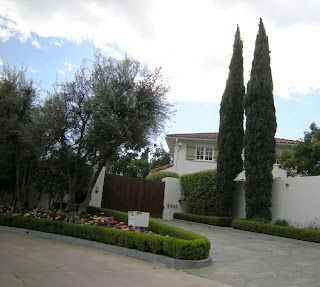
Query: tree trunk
x=71 y=205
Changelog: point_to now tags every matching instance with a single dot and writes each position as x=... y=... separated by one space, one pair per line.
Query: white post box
x=138 y=219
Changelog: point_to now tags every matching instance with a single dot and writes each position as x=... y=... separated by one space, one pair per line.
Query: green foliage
x=20 y=133
x=281 y=222
x=229 y=162
x=137 y=163
x=212 y=220
x=109 y=104
x=304 y=158
x=200 y=190
x=263 y=220
x=261 y=125
x=283 y=231
x=159 y=175
x=181 y=244
x=160 y=157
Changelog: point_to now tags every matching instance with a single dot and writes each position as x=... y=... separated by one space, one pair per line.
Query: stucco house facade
x=198 y=151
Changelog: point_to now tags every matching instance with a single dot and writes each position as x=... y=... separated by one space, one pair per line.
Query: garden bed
x=168 y=241
x=282 y=231
x=212 y=220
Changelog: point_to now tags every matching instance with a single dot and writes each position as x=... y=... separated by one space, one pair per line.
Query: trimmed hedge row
x=212 y=220
x=159 y=175
x=277 y=230
x=180 y=245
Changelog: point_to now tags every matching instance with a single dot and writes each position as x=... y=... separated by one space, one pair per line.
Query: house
x=198 y=151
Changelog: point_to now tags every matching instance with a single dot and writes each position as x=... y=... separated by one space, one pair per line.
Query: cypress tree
x=261 y=127
x=229 y=161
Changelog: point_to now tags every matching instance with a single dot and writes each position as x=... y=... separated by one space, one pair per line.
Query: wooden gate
x=126 y=193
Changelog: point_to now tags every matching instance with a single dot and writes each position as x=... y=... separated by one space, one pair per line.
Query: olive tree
x=107 y=105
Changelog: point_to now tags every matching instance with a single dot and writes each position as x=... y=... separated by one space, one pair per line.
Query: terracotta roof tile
x=208 y=136
x=161 y=168
x=211 y=136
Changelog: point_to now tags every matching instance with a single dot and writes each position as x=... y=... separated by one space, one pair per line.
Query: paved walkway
x=248 y=259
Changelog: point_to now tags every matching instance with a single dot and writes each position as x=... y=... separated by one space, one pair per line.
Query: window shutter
x=191 y=152
x=216 y=151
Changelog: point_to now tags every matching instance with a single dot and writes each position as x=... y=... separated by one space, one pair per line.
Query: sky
x=192 y=40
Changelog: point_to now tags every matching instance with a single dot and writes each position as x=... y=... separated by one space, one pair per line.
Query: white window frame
x=204 y=153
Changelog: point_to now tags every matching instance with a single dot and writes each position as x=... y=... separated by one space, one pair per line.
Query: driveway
x=246 y=259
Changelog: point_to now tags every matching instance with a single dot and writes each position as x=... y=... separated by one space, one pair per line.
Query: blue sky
x=191 y=40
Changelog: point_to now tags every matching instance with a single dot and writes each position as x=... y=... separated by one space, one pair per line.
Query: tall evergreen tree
x=229 y=162
x=261 y=126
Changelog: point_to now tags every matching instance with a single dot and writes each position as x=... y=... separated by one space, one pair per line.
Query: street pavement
x=240 y=259
x=26 y=260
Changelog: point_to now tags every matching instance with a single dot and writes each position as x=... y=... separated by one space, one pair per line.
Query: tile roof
x=161 y=168
x=211 y=136
x=208 y=136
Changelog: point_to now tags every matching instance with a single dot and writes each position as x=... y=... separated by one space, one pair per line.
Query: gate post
x=97 y=191
x=172 y=202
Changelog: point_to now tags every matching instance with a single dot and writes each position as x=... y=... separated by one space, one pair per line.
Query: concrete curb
x=160 y=259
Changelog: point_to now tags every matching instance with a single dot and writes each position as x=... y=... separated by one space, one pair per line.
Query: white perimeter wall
x=296 y=200
x=172 y=198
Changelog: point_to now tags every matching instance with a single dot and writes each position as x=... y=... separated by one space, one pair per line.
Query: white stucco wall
x=97 y=190
x=294 y=199
x=172 y=198
x=183 y=166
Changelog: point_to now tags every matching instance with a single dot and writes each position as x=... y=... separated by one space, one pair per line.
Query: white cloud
x=192 y=40
x=36 y=44
x=61 y=72
x=69 y=66
x=33 y=70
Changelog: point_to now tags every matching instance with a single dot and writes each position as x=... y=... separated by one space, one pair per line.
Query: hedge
x=159 y=175
x=200 y=190
x=212 y=220
x=180 y=244
x=277 y=230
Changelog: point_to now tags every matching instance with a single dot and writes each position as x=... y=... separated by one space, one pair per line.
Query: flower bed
x=98 y=219
x=179 y=244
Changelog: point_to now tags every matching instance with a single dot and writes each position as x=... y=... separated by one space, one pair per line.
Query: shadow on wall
x=295 y=199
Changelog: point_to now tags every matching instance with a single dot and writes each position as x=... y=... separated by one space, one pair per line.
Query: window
x=204 y=153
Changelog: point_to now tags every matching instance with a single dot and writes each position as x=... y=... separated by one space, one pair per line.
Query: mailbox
x=138 y=218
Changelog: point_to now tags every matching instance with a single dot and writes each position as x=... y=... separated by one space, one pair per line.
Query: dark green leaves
x=229 y=161
x=261 y=125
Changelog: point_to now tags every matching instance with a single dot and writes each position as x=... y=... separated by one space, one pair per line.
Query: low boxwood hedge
x=212 y=220
x=282 y=231
x=180 y=244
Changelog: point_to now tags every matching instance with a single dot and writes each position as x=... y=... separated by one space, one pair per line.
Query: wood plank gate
x=126 y=193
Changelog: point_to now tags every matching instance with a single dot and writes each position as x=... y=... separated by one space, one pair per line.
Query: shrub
x=283 y=231
x=200 y=189
x=263 y=220
x=281 y=222
x=180 y=244
x=158 y=176
x=212 y=220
